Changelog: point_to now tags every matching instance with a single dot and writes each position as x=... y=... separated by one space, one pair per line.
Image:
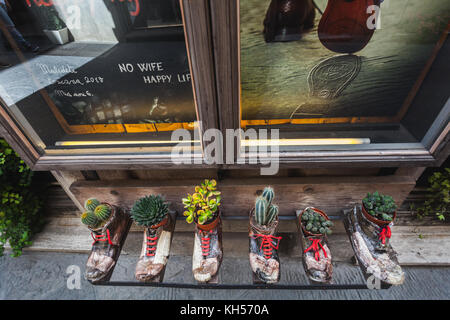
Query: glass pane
x=343 y=69
x=85 y=74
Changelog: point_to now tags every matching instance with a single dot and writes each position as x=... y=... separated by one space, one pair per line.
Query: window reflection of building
x=157 y=13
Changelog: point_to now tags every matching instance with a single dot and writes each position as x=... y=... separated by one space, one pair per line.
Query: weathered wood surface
x=331 y=194
x=274 y=75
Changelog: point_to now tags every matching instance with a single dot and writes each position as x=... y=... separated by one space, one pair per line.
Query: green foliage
x=90 y=219
x=50 y=18
x=265 y=211
x=150 y=210
x=381 y=207
x=102 y=212
x=21 y=202
x=439 y=197
x=91 y=203
x=202 y=206
x=316 y=223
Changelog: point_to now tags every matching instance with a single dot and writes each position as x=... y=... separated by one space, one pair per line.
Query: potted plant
x=152 y=213
x=264 y=242
x=109 y=227
x=379 y=209
x=314 y=228
x=54 y=28
x=368 y=229
x=202 y=207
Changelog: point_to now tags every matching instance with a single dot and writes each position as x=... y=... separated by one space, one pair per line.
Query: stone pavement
x=42 y=275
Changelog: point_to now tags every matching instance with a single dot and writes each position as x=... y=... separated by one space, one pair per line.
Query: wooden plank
x=330 y=194
x=65 y=179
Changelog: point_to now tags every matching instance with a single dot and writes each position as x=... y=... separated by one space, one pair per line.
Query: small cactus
x=150 y=210
x=88 y=218
x=265 y=211
x=91 y=203
x=268 y=194
x=102 y=212
x=261 y=207
x=316 y=223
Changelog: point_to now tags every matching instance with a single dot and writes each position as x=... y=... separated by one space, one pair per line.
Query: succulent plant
x=102 y=212
x=314 y=222
x=150 y=210
x=203 y=204
x=265 y=211
x=88 y=218
x=380 y=206
x=91 y=203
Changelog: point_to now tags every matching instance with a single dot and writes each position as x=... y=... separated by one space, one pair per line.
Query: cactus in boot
x=265 y=212
x=91 y=203
x=272 y=213
x=268 y=194
x=88 y=218
x=150 y=210
x=261 y=207
x=102 y=212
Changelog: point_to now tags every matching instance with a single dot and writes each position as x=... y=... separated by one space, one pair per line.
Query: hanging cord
x=317 y=7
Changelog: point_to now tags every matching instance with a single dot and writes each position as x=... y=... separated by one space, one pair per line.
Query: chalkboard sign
x=132 y=87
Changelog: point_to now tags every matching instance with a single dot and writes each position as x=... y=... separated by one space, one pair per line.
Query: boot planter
x=207 y=256
x=109 y=226
x=264 y=242
x=203 y=208
x=374 y=260
x=152 y=212
x=314 y=227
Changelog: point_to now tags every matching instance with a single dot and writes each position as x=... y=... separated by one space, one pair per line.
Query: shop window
x=98 y=76
x=345 y=74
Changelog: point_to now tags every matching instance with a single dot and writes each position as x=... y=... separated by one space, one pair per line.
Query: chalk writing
x=61 y=69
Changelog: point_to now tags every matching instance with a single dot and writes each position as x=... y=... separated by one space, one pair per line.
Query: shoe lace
x=101 y=237
x=206 y=242
x=315 y=244
x=151 y=245
x=385 y=233
x=267 y=244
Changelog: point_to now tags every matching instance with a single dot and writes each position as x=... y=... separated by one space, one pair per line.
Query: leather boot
x=373 y=252
x=207 y=255
x=108 y=242
x=317 y=260
x=155 y=250
x=263 y=254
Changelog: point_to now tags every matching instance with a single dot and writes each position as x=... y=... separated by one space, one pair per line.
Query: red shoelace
x=267 y=244
x=315 y=247
x=151 y=245
x=101 y=237
x=385 y=233
x=205 y=244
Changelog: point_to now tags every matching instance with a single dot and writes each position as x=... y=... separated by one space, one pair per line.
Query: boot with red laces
x=316 y=257
x=155 y=250
x=263 y=255
x=370 y=242
x=207 y=256
x=107 y=244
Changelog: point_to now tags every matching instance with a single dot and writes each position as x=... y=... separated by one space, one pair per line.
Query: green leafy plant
x=21 y=214
x=381 y=207
x=203 y=205
x=315 y=223
x=438 y=199
x=50 y=18
x=265 y=211
x=150 y=210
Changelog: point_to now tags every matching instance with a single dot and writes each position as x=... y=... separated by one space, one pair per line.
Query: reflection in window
x=341 y=69
x=96 y=70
